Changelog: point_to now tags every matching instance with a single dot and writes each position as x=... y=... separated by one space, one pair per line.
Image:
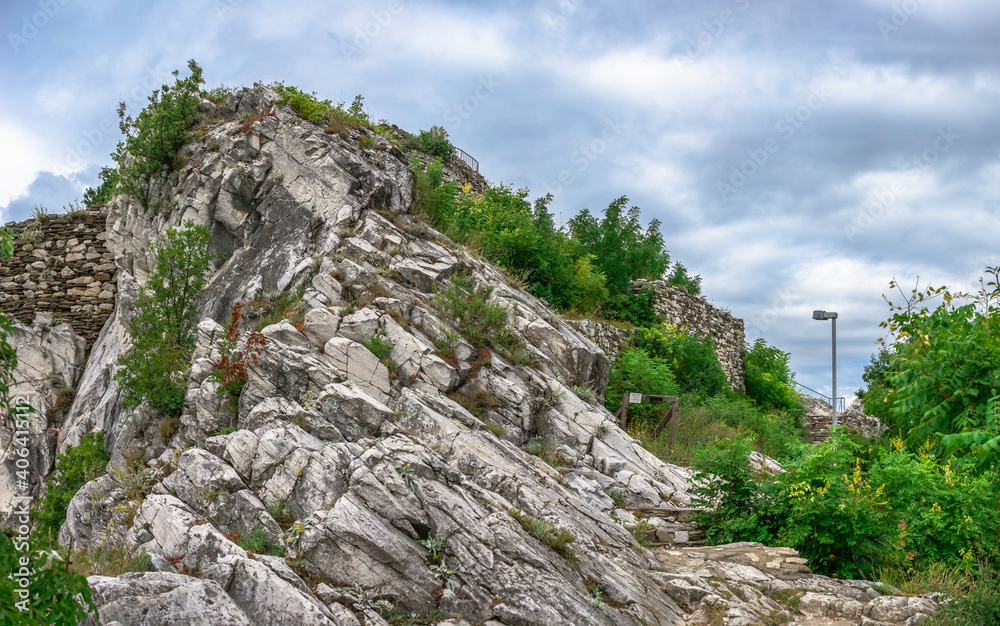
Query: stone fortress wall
x=694 y=313
x=62 y=266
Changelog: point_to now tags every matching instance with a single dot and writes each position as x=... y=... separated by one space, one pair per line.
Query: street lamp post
x=830 y=315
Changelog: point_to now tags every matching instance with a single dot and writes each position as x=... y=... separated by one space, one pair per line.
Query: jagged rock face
x=406 y=482
x=50 y=358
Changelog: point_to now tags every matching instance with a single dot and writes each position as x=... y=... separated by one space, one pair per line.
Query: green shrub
x=482 y=323
x=979 y=608
x=102 y=194
x=839 y=518
x=622 y=251
x=153 y=138
x=637 y=372
x=637 y=308
x=692 y=358
x=52 y=589
x=334 y=117
x=433 y=142
x=943 y=511
x=769 y=380
x=945 y=374
x=74 y=468
x=308 y=106
x=748 y=505
x=680 y=278
x=162 y=332
x=434 y=198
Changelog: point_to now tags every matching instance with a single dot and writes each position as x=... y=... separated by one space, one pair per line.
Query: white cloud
x=24 y=155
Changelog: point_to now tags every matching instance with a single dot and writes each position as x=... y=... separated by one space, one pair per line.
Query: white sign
x=634 y=398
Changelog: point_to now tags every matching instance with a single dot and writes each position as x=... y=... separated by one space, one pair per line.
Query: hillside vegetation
x=916 y=508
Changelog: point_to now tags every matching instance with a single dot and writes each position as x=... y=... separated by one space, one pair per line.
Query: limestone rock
x=360 y=365
x=164 y=599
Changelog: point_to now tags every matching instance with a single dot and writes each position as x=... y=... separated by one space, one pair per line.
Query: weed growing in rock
x=168 y=428
x=546 y=532
x=584 y=393
x=436 y=544
x=231 y=368
x=64 y=400
x=640 y=531
x=482 y=323
x=618 y=496
x=406 y=473
x=258 y=542
x=110 y=561
x=282 y=513
x=135 y=482
x=542 y=448
x=381 y=348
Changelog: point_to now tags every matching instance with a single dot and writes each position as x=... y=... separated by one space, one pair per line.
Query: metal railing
x=467 y=158
x=841 y=401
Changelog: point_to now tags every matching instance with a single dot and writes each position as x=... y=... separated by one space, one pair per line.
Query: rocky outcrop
x=50 y=359
x=376 y=463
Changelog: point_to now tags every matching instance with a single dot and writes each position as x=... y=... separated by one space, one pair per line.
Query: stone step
x=681 y=514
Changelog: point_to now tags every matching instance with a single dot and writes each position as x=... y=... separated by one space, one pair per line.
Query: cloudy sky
x=799 y=154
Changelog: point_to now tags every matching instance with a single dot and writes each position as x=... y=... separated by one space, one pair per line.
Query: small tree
x=163 y=329
x=154 y=136
x=621 y=249
x=769 y=380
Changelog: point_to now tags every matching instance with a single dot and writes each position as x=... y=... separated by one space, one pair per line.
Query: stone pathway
x=740 y=584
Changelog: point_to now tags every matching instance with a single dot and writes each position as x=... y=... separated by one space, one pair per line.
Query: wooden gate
x=670 y=415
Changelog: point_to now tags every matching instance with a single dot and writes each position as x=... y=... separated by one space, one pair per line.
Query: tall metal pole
x=834 y=320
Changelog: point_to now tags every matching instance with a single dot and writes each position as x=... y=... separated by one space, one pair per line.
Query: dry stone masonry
x=694 y=313
x=685 y=311
x=61 y=266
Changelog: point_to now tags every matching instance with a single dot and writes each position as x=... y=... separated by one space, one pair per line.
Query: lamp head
x=824 y=315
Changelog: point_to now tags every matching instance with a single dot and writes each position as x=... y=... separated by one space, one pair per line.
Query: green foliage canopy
x=691 y=357
x=946 y=373
x=622 y=250
x=769 y=380
x=153 y=138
